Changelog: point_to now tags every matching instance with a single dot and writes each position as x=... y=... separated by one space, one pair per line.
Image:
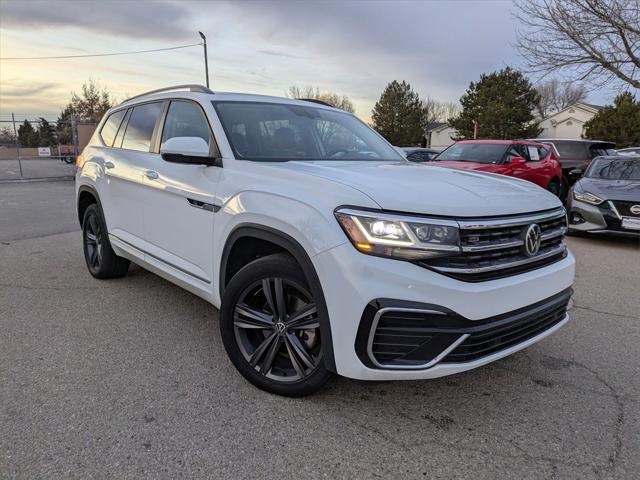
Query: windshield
x=474 y=152
x=282 y=132
x=614 y=169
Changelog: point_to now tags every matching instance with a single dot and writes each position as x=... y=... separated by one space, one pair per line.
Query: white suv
x=324 y=249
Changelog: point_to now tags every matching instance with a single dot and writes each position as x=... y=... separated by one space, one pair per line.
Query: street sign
x=44 y=151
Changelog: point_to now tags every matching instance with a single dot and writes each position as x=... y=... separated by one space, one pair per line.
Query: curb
x=42 y=179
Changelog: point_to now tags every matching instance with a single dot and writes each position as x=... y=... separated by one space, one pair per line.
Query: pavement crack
x=590 y=309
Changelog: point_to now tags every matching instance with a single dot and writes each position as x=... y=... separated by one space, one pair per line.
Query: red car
x=532 y=161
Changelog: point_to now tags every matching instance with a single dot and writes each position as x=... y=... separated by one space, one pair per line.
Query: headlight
x=399 y=236
x=587 y=197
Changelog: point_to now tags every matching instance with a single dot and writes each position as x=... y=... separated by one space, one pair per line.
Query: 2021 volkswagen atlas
x=325 y=250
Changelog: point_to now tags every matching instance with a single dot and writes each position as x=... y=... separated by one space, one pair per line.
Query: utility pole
x=15 y=132
x=206 y=61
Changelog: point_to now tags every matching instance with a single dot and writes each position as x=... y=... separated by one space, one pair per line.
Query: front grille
x=624 y=208
x=493 y=340
x=494 y=248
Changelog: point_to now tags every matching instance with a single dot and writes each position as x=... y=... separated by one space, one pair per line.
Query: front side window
x=110 y=127
x=475 y=152
x=140 y=127
x=282 y=132
x=185 y=119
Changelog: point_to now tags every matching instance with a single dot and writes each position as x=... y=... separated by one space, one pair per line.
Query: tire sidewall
x=92 y=210
x=278 y=265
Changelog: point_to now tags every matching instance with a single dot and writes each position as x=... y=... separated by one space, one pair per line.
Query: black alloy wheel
x=101 y=260
x=270 y=326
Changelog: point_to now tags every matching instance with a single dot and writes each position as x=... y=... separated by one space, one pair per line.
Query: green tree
x=502 y=103
x=89 y=106
x=619 y=123
x=27 y=135
x=399 y=115
x=47 y=136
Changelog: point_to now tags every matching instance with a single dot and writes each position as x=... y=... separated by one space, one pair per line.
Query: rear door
x=124 y=165
x=179 y=200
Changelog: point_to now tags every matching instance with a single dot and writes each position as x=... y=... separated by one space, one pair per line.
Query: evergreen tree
x=502 y=103
x=46 y=134
x=399 y=115
x=619 y=123
x=27 y=135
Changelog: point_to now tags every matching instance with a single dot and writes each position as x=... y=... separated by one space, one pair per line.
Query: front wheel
x=270 y=327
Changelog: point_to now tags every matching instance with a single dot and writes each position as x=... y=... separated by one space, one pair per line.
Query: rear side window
x=601 y=151
x=185 y=119
x=140 y=127
x=571 y=150
x=110 y=127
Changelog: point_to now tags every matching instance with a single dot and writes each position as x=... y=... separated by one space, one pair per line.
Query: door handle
x=109 y=165
x=151 y=175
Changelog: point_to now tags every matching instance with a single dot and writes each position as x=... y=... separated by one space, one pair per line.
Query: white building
x=568 y=122
x=439 y=135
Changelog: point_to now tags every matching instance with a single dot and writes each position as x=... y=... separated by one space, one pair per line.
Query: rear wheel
x=270 y=327
x=101 y=260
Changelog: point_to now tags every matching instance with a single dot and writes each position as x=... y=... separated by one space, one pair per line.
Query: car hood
x=422 y=188
x=480 y=167
x=627 y=190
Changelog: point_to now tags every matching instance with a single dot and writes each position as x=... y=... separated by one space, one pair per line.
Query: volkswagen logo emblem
x=532 y=239
x=635 y=209
x=280 y=327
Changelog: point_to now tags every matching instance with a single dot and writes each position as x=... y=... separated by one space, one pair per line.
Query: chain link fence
x=34 y=146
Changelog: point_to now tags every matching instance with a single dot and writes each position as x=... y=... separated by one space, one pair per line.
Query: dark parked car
x=417 y=154
x=606 y=199
x=574 y=154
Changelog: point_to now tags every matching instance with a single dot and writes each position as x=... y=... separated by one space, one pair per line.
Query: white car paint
x=150 y=222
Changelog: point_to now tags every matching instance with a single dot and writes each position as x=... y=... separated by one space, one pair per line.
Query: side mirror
x=189 y=150
x=518 y=161
x=576 y=173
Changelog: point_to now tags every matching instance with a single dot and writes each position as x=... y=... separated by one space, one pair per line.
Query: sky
x=353 y=48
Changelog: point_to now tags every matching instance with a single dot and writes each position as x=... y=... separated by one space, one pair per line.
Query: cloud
x=157 y=20
x=10 y=89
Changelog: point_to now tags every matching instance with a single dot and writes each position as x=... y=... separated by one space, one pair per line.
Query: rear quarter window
x=110 y=128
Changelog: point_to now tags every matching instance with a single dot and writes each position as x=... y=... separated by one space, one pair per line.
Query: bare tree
x=437 y=111
x=331 y=98
x=598 y=40
x=556 y=95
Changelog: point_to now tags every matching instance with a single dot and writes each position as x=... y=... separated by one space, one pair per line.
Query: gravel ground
x=128 y=379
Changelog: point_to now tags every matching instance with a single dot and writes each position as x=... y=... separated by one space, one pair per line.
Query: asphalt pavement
x=128 y=378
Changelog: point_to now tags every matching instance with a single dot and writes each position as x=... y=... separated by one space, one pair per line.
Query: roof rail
x=189 y=87
x=314 y=100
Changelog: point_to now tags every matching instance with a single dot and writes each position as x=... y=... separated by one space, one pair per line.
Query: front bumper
x=601 y=219
x=372 y=278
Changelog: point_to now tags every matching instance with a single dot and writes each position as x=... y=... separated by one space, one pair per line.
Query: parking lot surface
x=128 y=378
x=33 y=168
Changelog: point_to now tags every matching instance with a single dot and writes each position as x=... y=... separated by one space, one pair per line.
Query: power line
x=102 y=54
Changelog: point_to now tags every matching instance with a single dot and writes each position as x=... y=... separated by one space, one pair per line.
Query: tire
x=555 y=188
x=101 y=260
x=270 y=327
